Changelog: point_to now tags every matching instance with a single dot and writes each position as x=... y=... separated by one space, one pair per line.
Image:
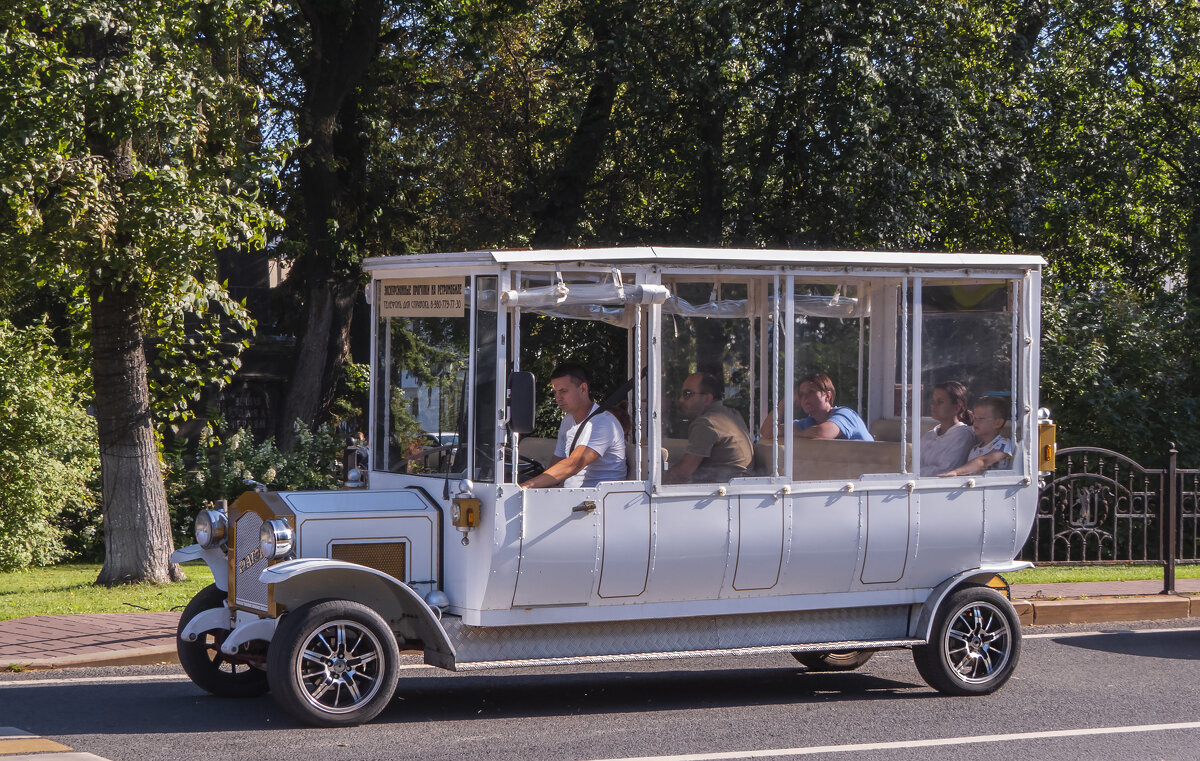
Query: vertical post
x=1170 y=511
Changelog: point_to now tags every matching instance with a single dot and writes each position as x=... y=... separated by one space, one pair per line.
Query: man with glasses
x=718 y=447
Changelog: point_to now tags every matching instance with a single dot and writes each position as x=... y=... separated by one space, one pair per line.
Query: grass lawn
x=1050 y=574
x=71 y=588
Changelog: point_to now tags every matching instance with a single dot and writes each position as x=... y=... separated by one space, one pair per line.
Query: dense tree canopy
x=124 y=133
x=128 y=154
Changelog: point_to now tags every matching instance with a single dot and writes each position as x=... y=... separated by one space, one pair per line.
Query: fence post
x=1170 y=504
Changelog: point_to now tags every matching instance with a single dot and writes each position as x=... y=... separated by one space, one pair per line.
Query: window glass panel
x=485 y=378
x=420 y=379
x=831 y=435
x=966 y=352
x=709 y=380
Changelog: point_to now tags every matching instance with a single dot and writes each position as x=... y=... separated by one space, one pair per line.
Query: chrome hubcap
x=339 y=667
x=978 y=642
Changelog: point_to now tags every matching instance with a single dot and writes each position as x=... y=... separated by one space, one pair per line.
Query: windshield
x=421 y=376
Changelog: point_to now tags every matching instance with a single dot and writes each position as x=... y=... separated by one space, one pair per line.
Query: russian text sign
x=422 y=297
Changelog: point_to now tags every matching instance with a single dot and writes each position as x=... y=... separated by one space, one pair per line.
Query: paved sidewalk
x=118 y=639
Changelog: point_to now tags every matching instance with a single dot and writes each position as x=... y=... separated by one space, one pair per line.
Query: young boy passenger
x=992 y=449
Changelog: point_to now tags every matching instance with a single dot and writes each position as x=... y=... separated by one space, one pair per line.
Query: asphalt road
x=1128 y=692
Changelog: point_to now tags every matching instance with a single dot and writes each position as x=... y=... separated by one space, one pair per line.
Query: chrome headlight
x=210 y=528
x=275 y=539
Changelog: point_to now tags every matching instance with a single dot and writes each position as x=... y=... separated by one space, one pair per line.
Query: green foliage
x=48 y=458
x=223 y=463
x=349 y=408
x=123 y=161
x=1115 y=371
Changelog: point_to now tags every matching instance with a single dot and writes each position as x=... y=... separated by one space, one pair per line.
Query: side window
x=711 y=333
x=831 y=422
x=967 y=370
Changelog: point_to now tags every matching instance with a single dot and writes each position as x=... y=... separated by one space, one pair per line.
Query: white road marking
x=813 y=750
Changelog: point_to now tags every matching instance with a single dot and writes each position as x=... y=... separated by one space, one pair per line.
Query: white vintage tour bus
x=829 y=549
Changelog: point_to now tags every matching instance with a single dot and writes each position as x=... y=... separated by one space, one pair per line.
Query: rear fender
x=922 y=624
x=300 y=581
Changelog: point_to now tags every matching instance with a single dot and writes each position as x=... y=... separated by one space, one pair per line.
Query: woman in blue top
x=815 y=395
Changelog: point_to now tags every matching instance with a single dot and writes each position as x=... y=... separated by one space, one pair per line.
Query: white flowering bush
x=223 y=463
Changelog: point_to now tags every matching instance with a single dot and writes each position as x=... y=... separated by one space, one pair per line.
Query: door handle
x=588 y=506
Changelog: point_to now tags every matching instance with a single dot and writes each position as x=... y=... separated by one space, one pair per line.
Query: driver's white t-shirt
x=604 y=436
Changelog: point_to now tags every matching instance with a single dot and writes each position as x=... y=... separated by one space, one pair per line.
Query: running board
x=756 y=650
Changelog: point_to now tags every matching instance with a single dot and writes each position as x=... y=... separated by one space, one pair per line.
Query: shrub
x=223 y=463
x=48 y=453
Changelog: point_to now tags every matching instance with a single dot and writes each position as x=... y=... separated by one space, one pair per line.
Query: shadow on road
x=499 y=695
x=182 y=708
x=1152 y=644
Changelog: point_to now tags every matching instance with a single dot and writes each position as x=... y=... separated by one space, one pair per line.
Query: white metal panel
x=950 y=534
x=887 y=536
x=825 y=542
x=681 y=636
x=669 y=256
x=759 y=530
x=691 y=548
x=1001 y=539
x=559 y=546
x=625 y=557
x=317 y=535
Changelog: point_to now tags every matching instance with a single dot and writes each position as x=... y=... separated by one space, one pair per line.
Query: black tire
x=834 y=660
x=974 y=645
x=333 y=663
x=202 y=660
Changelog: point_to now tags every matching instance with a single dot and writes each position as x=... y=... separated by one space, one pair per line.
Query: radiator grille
x=248 y=591
x=382 y=556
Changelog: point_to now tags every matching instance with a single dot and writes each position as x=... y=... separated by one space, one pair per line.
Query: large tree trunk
x=562 y=204
x=345 y=38
x=137 y=526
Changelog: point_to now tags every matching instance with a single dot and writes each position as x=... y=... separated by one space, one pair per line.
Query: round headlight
x=210 y=528
x=275 y=539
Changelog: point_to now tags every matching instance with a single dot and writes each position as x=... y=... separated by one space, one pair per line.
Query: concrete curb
x=135 y=656
x=1106 y=609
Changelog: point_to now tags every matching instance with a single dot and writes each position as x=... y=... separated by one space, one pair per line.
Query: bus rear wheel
x=974 y=644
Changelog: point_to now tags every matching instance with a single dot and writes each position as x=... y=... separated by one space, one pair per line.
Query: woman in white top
x=946 y=445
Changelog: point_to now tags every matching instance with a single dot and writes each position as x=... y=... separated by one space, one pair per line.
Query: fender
x=213 y=557
x=262 y=628
x=303 y=580
x=206 y=621
x=924 y=623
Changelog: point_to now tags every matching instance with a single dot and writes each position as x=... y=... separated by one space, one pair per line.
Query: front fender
x=213 y=557
x=300 y=581
x=924 y=622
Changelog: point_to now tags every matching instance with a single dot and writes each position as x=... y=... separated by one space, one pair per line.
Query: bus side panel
x=950 y=534
x=1002 y=539
x=691 y=548
x=825 y=543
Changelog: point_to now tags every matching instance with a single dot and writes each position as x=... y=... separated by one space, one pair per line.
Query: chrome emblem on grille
x=249 y=559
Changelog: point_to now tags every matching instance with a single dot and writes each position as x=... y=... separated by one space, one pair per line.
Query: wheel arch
x=297 y=582
x=922 y=624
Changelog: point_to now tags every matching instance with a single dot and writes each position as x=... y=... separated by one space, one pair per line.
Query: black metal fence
x=1102 y=507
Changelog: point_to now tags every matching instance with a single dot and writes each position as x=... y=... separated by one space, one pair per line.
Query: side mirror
x=521 y=402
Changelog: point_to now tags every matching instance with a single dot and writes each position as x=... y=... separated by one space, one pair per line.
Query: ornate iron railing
x=1100 y=506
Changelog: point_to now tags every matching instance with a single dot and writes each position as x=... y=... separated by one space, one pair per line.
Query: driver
x=597 y=453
